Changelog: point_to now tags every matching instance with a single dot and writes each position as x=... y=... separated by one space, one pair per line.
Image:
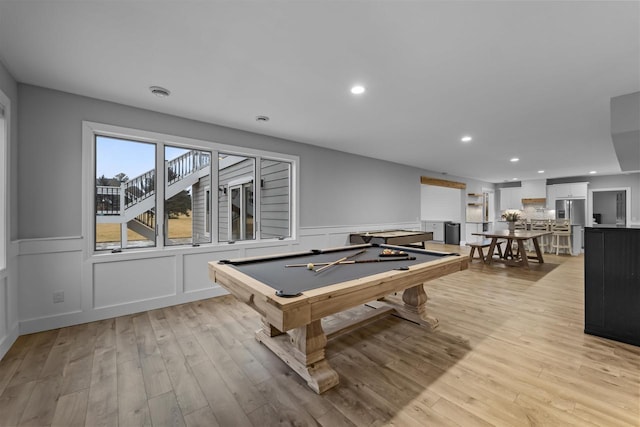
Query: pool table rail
x=281 y=312
x=287 y=313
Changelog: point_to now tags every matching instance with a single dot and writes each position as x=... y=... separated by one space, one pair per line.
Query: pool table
x=392 y=237
x=293 y=296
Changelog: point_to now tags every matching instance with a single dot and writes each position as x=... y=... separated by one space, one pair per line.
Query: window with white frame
x=154 y=191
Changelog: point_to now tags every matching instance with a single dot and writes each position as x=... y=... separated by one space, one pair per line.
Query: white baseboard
x=7 y=341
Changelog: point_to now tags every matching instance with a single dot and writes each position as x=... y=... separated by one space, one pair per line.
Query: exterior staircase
x=132 y=204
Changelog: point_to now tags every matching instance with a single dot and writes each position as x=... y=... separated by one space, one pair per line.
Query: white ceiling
x=527 y=79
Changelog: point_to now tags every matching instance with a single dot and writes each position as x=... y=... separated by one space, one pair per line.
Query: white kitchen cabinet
x=436 y=227
x=534 y=189
x=551 y=196
x=574 y=190
x=470 y=228
x=510 y=198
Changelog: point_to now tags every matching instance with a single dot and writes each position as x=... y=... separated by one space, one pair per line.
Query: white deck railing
x=185 y=165
x=115 y=200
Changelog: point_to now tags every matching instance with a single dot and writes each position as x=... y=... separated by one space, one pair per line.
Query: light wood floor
x=510 y=351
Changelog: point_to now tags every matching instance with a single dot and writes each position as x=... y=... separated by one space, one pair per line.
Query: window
x=125 y=196
x=4 y=178
x=154 y=191
x=275 y=198
x=186 y=206
x=236 y=177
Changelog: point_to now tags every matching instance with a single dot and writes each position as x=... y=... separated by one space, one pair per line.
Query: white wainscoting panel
x=277 y=248
x=122 y=282
x=43 y=274
x=8 y=329
x=196 y=269
x=330 y=237
x=4 y=308
x=130 y=282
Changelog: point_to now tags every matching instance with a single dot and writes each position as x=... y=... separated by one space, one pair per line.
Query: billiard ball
x=310 y=266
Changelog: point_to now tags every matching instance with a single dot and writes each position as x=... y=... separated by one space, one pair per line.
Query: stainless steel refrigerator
x=571 y=209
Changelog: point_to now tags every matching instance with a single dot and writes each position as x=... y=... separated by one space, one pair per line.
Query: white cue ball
x=310 y=266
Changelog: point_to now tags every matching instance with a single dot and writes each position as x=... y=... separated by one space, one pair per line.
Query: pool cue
x=359 y=261
x=339 y=261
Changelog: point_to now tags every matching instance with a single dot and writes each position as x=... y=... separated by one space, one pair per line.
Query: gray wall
x=9 y=86
x=616 y=181
x=631 y=180
x=604 y=203
x=9 y=277
x=611 y=181
x=335 y=188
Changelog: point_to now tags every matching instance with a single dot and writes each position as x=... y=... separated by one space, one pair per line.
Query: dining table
x=520 y=258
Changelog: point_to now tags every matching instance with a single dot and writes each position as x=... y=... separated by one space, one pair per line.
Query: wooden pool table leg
x=303 y=351
x=415 y=306
x=269 y=329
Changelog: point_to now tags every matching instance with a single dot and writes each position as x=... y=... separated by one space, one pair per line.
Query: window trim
x=91 y=129
x=5 y=106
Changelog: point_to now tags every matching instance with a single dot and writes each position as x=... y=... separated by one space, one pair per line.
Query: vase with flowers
x=511 y=216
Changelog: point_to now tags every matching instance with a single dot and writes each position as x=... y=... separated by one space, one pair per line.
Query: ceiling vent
x=160 y=92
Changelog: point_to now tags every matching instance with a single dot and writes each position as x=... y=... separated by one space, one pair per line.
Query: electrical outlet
x=58 y=296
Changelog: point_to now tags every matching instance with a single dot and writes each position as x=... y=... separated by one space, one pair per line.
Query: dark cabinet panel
x=593 y=279
x=612 y=283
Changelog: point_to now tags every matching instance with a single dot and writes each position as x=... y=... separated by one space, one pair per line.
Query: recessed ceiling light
x=514 y=159
x=514 y=179
x=466 y=138
x=592 y=172
x=160 y=92
x=357 y=89
x=540 y=171
x=262 y=118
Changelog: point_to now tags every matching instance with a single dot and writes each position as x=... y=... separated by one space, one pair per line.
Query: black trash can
x=452 y=233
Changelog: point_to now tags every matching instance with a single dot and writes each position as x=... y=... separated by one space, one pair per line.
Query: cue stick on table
x=339 y=261
x=359 y=261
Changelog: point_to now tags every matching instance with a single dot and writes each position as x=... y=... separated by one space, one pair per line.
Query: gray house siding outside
x=198 y=211
x=227 y=175
x=275 y=199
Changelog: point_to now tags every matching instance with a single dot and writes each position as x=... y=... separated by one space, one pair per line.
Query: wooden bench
x=479 y=245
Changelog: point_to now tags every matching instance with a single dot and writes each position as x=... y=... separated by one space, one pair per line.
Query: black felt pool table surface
x=272 y=271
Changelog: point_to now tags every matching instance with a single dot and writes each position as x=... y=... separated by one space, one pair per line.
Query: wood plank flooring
x=509 y=351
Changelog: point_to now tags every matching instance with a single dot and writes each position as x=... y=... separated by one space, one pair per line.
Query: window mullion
x=215 y=185
x=257 y=190
x=160 y=182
